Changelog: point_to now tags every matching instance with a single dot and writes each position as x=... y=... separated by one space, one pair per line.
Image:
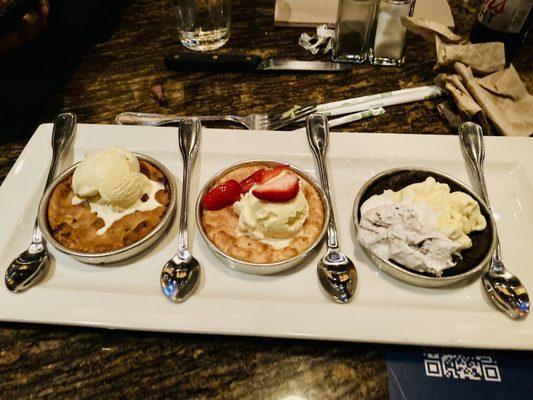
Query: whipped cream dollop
x=111 y=182
x=420 y=226
x=272 y=223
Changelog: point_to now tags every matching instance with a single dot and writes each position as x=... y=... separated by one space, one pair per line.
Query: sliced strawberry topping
x=272 y=173
x=222 y=195
x=255 y=178
x=279 y=190
x=261 y=176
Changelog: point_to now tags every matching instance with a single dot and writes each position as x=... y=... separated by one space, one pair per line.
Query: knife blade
x=453 y=119
x=247 y=63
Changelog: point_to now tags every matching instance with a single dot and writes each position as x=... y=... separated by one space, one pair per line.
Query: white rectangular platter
x=291 y=304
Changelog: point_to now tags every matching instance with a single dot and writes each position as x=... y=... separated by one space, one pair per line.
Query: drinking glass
x=354 y=24
x=203 y=24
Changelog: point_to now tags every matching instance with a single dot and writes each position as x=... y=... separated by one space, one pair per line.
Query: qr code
x=460 y=366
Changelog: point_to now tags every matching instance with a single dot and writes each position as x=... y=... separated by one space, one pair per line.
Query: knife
x=247 y=63
x=454 y=120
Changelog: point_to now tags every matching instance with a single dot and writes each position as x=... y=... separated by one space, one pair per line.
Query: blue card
x=420 y=373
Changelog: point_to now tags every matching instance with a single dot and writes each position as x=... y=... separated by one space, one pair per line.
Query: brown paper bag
x=499 y=93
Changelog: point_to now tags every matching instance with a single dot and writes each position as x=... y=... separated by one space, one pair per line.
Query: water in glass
x=203 y=24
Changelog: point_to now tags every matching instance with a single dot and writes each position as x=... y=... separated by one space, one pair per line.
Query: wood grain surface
x=116 y=75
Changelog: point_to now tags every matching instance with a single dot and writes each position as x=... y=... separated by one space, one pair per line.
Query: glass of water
x=203 y=24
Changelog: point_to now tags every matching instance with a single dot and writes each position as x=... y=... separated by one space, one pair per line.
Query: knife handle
x=213 y=62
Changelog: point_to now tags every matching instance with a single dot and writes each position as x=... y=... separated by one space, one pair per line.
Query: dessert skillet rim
x=247 y=266
x=123 y=252
x=403 y=273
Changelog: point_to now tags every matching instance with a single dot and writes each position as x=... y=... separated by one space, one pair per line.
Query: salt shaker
x=355 y=19
x=389 y=33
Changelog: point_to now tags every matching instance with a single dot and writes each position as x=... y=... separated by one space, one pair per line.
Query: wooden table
x=116 y=75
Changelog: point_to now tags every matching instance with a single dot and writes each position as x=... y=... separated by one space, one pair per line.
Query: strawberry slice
x=280 y=190
x=222 y=196
x=255 y=178
x=272 y=173
x=261 y=176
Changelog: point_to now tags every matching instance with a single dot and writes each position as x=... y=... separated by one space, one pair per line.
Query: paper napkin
x=476 y=77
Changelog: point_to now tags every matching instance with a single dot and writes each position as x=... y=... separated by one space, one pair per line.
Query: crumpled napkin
x=312 y=44
x=451 y=48
x=428 y=29
x=497 y=91
x=501 y=95
x=481 y=57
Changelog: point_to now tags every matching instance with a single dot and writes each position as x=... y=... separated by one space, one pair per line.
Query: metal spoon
x=336 y=272
x=181 y=274
x=503 y=289
x=31 y=265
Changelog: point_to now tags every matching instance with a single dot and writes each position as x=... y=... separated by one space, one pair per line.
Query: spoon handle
x=472 y=143
x=62 y=134
x=189 y=136
x=318 y=137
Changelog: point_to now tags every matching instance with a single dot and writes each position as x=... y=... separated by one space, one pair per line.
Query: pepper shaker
x=355 y=19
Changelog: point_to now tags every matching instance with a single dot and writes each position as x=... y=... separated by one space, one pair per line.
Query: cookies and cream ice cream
x=269 y=222
x=111 y=182
x=395 y=232
x=420 y=226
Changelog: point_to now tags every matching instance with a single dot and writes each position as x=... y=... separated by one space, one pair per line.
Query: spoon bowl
x=27 y=269
x=180 y=277
x=337 y=276
x=505 y=291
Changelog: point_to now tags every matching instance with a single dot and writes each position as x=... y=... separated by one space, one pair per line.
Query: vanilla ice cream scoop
x=113 y=186
x=272 y=223
x=113 y=174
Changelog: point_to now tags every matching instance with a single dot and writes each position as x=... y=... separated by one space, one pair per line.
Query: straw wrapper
x=385 y=99
x=359 y=108
x=351 y=118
